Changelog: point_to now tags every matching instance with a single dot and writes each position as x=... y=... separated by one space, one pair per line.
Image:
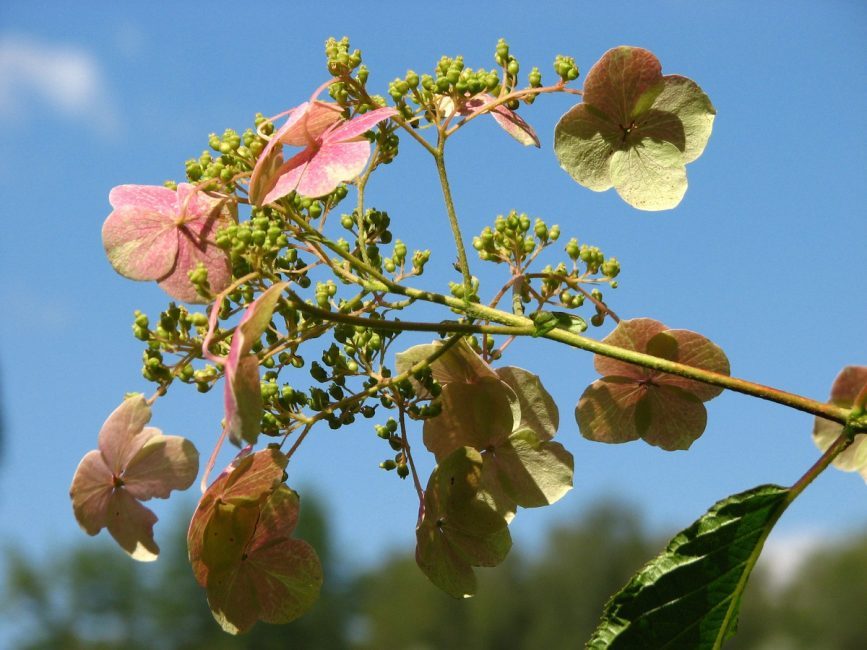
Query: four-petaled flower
x=335 y=152
x=636 y=130
x=631 y=402
x=155 y=233
x=133 y=463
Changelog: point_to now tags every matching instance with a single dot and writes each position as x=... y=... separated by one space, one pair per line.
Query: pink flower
x=242 y=395
x=133 y=463
x=509 y=120
x=155 y=233
x=334 y=152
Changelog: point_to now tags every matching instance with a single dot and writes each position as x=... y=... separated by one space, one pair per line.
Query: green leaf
x=845 y=389
x=689 y=596
x=636 y=130
x=459 y=528
x=545 y=321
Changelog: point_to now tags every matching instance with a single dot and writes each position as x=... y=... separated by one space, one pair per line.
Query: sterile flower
x=133 y=463
x=335 y=152
x=155 y=233
x=509 y=120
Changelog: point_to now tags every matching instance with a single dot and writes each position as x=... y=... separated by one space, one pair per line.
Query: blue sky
x=763 y=256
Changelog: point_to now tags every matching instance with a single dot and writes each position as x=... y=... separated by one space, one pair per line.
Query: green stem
x=463 y=262
x=524 y=326
x=384 y=383
x=838 y=446
x=361 y=184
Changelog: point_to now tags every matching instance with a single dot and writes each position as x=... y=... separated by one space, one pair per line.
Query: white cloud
x=783 y=555
x=65 y=79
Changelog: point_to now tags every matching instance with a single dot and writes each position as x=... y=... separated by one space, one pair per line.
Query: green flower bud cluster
x=419 y=260
x=178 y=332
x=153 y=367
x=324 y=292
x=492 y=353
x=199 y=279
x=341 y=62
x=236 y=156
x=459 y=290
x=510 y=239
x=565 y=68
x=397 y=259
x=375 y=224
x=511 y=68
x=388 y=432
x=256 y=244
x=281 y=405
x=599 y=317
x=594 y=260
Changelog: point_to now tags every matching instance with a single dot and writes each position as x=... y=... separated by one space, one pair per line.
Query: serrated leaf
x=545 y=321
x=636 y=130
x=845 y=389
x=689 y=596
x=459 y=528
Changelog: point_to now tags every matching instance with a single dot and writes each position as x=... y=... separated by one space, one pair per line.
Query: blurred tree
x=95 y=597
x=822 y=607
x=551 y=602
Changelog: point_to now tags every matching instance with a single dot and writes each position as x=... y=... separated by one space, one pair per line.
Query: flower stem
x=520 y=325
x=463 y=262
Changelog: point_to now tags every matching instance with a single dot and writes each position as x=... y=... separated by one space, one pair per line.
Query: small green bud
x=534 y=78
